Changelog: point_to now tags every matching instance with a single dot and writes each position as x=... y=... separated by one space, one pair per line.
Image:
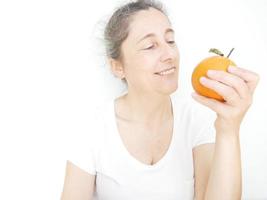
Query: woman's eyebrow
x=168 y=30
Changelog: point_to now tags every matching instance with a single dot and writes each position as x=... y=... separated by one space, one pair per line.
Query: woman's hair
x=117 y=28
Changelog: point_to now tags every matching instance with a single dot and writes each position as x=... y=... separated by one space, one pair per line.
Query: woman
x=159 y=147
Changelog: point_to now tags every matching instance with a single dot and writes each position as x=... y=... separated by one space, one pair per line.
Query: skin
x=139 y=65
x=147 y=105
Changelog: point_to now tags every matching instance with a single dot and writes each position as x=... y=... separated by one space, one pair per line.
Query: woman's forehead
x=149 y=22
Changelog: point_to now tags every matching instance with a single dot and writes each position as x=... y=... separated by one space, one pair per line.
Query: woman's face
x=150 y=48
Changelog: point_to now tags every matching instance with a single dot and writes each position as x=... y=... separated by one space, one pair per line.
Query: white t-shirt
x=120 y=176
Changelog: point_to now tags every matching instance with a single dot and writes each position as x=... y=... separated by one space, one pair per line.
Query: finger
x=228 y=93
x=231 y=80
x=213 y=104
x=251 y=78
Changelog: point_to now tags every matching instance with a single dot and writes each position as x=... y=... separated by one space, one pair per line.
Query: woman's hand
x=237 y=87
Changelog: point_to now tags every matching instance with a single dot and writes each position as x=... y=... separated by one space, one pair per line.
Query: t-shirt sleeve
x=81 y=154
x=82 y=145
x=202 y=126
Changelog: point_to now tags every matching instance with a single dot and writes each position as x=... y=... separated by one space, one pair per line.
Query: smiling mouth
x=166 y=72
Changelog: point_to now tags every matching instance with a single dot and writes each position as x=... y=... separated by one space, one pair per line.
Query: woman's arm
x=225 y=179
x=237 y=88
x=78 y=184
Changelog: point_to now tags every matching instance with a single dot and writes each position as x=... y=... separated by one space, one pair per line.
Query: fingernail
x=211 y=72
x=194 y=94
x=202 y=79
x=231 y=68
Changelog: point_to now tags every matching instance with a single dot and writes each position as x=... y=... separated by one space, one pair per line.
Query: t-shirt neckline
x=125 y=151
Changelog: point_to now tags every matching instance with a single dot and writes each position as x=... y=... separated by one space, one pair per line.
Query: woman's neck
x=146 y=109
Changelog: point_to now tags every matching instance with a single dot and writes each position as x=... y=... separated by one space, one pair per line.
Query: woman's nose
x=169 y=52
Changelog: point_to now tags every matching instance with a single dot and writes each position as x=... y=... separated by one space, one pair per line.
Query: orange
x=218 y=62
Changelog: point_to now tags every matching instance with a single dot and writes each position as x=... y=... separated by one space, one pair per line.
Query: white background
x=53 y=72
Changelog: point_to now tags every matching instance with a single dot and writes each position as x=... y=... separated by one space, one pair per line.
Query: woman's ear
x=117 y=68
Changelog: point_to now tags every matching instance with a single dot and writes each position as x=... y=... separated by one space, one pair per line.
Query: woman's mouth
x=166 y=72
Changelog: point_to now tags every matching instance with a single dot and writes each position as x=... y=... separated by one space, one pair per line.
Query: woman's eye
x=150 y=47
x=171 y=42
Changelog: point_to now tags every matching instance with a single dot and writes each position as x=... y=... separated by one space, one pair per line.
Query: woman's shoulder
x=195 y=120
x=101 y=117
x=101 y=112
x=187 y=108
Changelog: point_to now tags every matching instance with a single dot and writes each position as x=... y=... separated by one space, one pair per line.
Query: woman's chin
x=169 y=88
